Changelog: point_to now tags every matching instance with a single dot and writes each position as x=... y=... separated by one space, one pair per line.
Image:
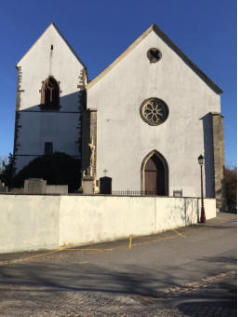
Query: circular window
x=154 y=111
x=154 y=55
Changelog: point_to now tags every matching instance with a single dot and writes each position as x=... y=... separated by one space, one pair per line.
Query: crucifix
x=92 y=158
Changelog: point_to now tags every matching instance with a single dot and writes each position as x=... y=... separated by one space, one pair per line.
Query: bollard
x=130 y=241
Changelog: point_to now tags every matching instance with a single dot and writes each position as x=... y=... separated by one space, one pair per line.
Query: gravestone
x=35 y=186
x=106 y=185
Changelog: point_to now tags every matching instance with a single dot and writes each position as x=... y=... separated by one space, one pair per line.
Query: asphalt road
x=162 y=275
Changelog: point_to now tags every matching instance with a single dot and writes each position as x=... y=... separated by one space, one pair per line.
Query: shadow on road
x=43 y=283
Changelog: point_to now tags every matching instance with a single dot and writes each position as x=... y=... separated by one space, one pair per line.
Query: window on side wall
x=50 y=94
x=48 y=148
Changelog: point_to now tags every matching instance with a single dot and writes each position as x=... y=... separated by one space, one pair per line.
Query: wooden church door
x=154 y=177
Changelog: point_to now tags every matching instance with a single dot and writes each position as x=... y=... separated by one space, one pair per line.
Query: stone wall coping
x=102 y=196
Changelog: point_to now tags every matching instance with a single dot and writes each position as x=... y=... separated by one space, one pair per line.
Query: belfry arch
x=155 y=175
x=50 y=93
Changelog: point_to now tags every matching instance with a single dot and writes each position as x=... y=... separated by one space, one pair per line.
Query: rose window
x=154 y=111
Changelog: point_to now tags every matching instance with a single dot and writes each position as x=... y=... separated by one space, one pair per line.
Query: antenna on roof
x=50 y=60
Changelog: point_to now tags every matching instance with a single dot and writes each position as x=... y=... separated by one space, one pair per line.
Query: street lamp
x=203 y=216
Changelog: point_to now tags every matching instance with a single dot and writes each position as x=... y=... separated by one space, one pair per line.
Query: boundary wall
x=35 y=222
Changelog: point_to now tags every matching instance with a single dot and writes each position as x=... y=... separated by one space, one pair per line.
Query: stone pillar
x=218 y=160
x=88 y=185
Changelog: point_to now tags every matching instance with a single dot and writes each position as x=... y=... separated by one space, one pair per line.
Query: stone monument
x=88 y=175
x=35 y=186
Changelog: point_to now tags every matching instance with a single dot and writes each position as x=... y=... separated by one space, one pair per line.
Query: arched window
x=50 y=94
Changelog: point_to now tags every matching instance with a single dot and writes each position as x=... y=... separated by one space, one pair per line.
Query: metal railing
x=134 y=193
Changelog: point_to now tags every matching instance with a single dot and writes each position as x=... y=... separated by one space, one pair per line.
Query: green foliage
x=57 y=169
x=7 y=171
x=231 y=187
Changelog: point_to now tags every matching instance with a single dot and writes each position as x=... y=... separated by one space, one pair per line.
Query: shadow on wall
x=183 y=213
x=56 y=169
x=73 y=104
x=191 y=204
x=54 y=125
x=208 y=156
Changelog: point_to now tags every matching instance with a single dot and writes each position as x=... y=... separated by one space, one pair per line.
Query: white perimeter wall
x=47 y=222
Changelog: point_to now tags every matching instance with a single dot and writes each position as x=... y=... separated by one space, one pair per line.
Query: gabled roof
x=171 y=44
x=60 y=34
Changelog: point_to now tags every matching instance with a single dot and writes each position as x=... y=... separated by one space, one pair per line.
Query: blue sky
x=99 y=31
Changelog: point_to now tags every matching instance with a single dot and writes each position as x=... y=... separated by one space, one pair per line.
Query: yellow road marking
x=87 y=250
x=179 y=233
x=29 y=257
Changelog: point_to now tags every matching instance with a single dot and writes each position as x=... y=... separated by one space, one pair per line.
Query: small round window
x=154 y=111
x=154 y=55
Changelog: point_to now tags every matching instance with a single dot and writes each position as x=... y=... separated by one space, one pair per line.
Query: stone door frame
x=166 y=170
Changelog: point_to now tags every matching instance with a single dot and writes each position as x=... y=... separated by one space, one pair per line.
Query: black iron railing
x=134 y=193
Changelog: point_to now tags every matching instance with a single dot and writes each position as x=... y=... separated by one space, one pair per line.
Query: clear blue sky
x=99 y=31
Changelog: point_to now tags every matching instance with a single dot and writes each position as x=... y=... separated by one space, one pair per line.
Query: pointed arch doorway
x=155 y=175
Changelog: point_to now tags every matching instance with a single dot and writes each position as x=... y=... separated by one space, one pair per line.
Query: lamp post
x=203 y=216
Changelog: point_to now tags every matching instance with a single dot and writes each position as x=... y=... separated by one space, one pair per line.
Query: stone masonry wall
x=219 y=160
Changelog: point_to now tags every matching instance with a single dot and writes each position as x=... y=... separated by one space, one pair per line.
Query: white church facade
x=142 y=122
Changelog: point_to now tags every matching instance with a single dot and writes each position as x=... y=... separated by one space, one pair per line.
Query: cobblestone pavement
x=103 y=282
x=193 y=299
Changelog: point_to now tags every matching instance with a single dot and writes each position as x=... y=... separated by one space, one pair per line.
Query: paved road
x=185 y=272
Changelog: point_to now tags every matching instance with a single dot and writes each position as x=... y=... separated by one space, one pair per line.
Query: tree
x=2 y=164
x=57 y=169
x=7 y=171
x=231 y=187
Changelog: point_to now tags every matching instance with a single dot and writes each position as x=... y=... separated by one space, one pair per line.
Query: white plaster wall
x=45 y=222
x=124 y=139
x=28 y=222
x=37 y=127
x=86 y=219
x=104 y=218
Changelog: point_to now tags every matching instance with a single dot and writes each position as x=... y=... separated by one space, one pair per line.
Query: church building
x=142 y=122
